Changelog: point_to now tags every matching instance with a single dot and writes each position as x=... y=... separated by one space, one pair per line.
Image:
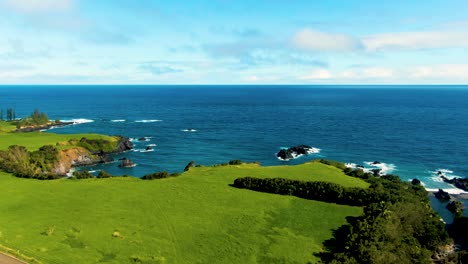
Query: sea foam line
x=148 y=121
x=78 y=121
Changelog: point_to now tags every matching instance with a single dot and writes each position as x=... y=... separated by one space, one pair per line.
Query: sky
x=233 y=42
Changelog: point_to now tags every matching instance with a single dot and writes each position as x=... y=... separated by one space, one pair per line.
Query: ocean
x=414 y=131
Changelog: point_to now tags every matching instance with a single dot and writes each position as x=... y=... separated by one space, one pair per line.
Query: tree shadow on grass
x=336 y=244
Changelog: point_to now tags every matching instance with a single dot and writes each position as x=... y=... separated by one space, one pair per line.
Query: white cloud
x=444 y=72
x=312 y=40
x=368 y=73
x=39 y=6
x=309 y=39
x=320 y=74
x=416 y=40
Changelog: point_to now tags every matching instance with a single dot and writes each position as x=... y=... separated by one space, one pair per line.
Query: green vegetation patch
x=194 y=218
x=311 y=171
x=34 y=140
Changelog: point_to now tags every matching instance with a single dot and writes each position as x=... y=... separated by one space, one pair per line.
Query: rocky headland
x=80 y=156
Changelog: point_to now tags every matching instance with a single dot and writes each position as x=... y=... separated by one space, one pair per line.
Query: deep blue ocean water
x=414 y=130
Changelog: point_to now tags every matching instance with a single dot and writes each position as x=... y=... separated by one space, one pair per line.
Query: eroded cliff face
x=77 y=156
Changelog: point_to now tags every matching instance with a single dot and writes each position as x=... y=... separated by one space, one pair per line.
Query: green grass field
x=193 y=218
x=34 y=140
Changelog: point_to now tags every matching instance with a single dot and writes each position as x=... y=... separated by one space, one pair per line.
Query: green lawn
x=194 y=218
x=34 y=140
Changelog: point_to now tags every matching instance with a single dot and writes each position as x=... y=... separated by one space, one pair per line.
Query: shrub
x=104 y=174
x=159 y=175
x=82 y=175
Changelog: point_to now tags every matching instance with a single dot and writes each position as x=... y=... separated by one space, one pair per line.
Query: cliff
x=80 y=156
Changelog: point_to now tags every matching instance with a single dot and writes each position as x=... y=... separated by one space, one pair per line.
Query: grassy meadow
x=34 y=140
x=194 y=218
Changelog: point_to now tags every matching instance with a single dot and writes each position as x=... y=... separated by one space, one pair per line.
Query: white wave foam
x=449 y=190
x=143 y=150
x=93 y=171
x=148 y=121
x=351 y=165
x=78 y=121
x=312 y=150
x=385 y=168
x=151 y=145
x=70 y=173
x=118 y=120
x=189 y=130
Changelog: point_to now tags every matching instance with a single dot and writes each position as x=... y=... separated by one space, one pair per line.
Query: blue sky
x=233 y=42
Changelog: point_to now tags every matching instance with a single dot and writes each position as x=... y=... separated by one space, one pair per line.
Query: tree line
x=10 y=114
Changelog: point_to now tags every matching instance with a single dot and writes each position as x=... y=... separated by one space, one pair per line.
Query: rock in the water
x=416 y=182
x=294 y=152
x=460 y=183
x=142 y=139
x=126 y=163
x=442 y=195
x=376 y=163
x=148 y=148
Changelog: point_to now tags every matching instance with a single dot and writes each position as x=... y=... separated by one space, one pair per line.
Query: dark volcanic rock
x=142 y=139
x=126 y=163
x=416 y=182
x=460 y=183
x=293 y=152
x=43 y=127
x=376 y=172
x=442 y=195
x=124 y=145
x=148 y=148
x=455 y=207
x=376 y=163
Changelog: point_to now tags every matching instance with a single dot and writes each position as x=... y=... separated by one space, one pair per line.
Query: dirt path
x=5 y=259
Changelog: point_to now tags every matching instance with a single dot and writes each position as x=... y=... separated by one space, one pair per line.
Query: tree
x=9 y=114
x=1 y=114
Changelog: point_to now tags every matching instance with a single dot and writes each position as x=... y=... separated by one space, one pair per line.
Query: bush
x=82 y=175
x=22 y=163
x=104 y=174
x=235 y=162
x=159 y=175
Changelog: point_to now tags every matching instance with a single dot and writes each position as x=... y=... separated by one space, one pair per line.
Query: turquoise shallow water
x=413 y=130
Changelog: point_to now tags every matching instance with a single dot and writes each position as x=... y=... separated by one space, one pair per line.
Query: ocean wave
x=78 y=121
x=189 y=130
x=385 y=168
x=143 y=150
x=151 y=145
x=148 y=121
x=140 y=139
x=294 y=155
x=449 y=190
x=118 y=120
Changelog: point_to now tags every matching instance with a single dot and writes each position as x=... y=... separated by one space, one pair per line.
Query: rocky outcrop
x=416 y=182
x=70 y=158
x=124 y=145
x=79 y=156
x=294 y=152
x=442 y=195
x=43 y=127
x=455 y=207
x=126 y=163
x=460 y=183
